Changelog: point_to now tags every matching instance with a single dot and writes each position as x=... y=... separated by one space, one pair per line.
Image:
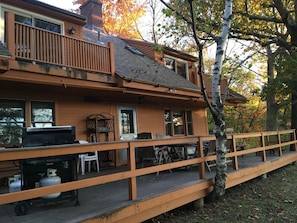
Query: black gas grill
x=32 y=170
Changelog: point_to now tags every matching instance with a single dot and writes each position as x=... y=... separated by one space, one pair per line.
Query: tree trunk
x=294 y=111
x=294 y=93
x=272 y=108
x=217 y=108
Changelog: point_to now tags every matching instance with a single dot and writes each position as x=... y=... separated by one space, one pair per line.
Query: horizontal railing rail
x=42 y=46
x=255 y=143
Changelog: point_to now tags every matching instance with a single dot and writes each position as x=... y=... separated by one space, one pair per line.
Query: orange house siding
x=200 y=122
x=75 y=112
x=150 y=119
x=71 y=109
x=78 y=30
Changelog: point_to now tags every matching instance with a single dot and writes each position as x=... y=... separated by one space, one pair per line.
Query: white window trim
x=133 y=109
x=179 y=60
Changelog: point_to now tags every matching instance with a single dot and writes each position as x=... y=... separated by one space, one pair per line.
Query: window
x=39 y=23
x=47 y=25
x=42 y=114
x=169 y=63
x=23 y=19
x=168 y=122
x=189 y=123
x=12 y=120
x=127 y=121
x=178 y=122
x=177 y=65
x=181 y=68
x=30 y=19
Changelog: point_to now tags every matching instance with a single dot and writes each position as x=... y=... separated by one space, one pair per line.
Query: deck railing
x=257 y=143
x=41 y=46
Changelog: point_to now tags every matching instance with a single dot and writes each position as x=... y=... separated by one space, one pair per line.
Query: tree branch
x=200 y=63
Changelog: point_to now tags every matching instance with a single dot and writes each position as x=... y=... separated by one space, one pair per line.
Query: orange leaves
x=120 y=17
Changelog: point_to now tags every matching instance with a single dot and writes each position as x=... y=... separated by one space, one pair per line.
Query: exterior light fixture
x=72 y=31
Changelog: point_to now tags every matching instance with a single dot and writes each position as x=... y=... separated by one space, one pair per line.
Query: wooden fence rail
x=258 y=144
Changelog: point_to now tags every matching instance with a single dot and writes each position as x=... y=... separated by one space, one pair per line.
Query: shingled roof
x=132 y=65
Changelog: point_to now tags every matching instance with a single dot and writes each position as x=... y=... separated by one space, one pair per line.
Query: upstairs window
x=177 y=65
x=47 y=25
x=12 y=120
x=37 y=22
x=30 y=19
x=23 y=19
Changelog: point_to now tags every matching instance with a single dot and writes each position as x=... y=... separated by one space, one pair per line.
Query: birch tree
x=216 y=105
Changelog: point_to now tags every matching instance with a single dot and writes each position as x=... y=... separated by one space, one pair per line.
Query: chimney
x=92 y=9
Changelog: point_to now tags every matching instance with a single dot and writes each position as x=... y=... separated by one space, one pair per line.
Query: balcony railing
x=41 y=46
x=257 y=143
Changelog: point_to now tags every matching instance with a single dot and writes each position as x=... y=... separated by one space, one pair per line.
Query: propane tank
x=50 y=179
x=16 y=184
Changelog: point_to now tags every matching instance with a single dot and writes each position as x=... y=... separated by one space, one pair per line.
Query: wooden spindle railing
x=38 y=45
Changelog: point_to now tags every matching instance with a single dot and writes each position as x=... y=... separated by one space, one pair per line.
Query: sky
x=63 y=4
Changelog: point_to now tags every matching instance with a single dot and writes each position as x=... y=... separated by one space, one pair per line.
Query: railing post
x=201 y=154
x=112 y=60
x=235 y=163
x=10 y=37
x=279 y=141
x=294 y=138
x=263 y=146
x=132 y=167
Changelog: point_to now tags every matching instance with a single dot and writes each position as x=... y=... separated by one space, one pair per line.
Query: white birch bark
x=217 y=109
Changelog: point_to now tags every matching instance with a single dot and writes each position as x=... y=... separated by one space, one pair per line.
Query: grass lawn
x=273 y=199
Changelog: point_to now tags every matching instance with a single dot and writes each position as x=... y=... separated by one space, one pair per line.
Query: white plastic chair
x=87 y=157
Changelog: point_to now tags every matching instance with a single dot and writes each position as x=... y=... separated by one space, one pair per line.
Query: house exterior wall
x=72 y=109
x=200 y=122
x=151 y=119
x=78 y=30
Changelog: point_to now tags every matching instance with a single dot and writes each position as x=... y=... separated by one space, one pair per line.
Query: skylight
x=133 y=50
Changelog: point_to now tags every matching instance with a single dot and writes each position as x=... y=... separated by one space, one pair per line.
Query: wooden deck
x=31 y=44
x=131 y=194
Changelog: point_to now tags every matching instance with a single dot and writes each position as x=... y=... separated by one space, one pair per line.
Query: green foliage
x=11 y=131
x=208 y=19
x=158 y=47
x=289 y=70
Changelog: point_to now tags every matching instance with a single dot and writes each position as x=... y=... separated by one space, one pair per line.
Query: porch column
x=10 y=33
x=112 y=61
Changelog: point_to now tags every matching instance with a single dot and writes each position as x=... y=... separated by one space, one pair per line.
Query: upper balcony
x=40 y=46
